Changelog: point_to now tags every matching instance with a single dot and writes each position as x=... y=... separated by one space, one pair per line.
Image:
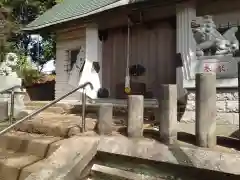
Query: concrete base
x=8 y=82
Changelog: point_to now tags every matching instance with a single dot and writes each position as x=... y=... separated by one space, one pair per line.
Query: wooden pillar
x=168 y=113
x=206 y=109
x=239 y=94
x=135 y=115
x=105 y=119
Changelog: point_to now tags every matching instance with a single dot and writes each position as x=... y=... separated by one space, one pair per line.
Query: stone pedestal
x=224 y=66
x=135 y=115
x=3 y=110
x=8 y=82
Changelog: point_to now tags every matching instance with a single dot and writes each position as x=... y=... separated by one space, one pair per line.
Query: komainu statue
x=210 y=42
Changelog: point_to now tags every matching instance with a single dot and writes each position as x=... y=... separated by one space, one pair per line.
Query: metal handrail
x=10 y=89
x=52 y=103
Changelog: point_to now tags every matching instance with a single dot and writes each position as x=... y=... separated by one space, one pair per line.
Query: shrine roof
x=70 y=10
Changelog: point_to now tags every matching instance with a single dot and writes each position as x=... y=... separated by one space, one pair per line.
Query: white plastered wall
x=66 y=43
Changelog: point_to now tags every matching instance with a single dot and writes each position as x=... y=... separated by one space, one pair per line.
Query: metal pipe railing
x=51 y=104
x=12 y=96
x=10 y=89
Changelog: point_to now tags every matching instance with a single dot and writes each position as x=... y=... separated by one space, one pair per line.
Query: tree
x=22 y=12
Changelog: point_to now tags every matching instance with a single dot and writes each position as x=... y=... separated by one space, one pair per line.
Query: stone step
x=32 y=144
x=55 y=125
x=39 y=103
x=68 y=161
x=75 y=107
x=32 y=168
x=12 y=163
x=117 y=174
x=58 y=110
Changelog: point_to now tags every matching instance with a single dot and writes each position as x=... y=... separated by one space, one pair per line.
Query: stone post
x=168 y=113
x=135 y=115
x=105 y=119
x=206 y=109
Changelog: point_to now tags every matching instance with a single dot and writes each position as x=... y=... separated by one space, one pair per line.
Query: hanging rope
x=127 y=78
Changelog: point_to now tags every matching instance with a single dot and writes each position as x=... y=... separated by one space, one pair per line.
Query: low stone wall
x=227 y=107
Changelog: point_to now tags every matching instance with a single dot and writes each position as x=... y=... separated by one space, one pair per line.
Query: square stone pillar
x=135 y=116
x=105 y=119
x=94 y=46
x=93 y=53
x=185 y=12
x=168 y=113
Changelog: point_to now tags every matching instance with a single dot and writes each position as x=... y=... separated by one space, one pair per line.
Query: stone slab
x=181 y=155
x=67 y=162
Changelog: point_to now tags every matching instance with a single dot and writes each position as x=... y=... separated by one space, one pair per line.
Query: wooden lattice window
x=72 y=58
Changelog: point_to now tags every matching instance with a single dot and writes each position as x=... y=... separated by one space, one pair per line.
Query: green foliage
x=26 y=72
x=20 y=13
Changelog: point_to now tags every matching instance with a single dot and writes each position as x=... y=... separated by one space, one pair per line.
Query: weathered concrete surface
x=206 y=109
x=135 y=115
x=168 y=113
x=105 y=119
x=183 y=155
x=66 y=163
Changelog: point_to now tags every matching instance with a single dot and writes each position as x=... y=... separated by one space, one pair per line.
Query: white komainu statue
x=83 y=71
